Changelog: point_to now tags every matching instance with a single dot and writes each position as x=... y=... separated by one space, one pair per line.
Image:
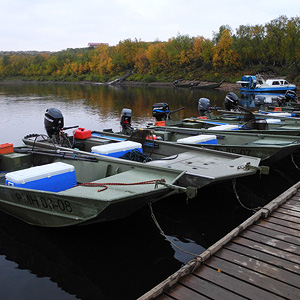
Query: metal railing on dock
x=260 y=259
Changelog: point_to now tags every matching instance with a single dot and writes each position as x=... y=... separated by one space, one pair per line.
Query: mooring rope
x=105 y=185
x=292 y=156
x=238 y=198
x=162 y=233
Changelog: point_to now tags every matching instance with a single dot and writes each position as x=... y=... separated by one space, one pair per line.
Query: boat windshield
x=275 y=83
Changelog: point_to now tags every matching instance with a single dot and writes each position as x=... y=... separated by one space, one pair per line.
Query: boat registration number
x=44 y=202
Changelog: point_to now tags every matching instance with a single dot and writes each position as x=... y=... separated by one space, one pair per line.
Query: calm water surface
x=90 y=106
x=125 y=258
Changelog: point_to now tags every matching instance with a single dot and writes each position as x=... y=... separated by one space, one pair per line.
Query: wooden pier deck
x=260 y=259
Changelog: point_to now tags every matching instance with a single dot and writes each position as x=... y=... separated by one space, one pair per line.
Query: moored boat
x=56 y=188
x=241 y=121
x=269 y=148
x=208 y=86
x=200 y=167
x=250 y=83
x=177 y=83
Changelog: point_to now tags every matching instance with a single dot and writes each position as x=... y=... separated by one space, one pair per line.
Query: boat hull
x=280 y=90
x=52 y=210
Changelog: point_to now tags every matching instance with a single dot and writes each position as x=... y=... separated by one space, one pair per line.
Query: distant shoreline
x=224 y=87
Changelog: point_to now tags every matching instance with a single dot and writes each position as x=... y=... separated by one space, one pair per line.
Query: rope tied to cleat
x=105 y=185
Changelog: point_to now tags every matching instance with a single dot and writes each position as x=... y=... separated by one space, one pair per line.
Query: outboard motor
x=160 y=111
x=231 y=101
x=53 y=121
x=125 y=121
x=290 y=95
x=281 y=100
x=203 y=106
x=259 y=100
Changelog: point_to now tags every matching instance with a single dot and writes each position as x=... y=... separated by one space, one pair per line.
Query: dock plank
x=209 y=289
x=259 y=266
x=290 y=206
x=272 y=286
x=288 y=222
x=264 y=256
x=289 y=218
x=233 y=284
x=182 y=292
x=269 y=249
x=165 y=297
x=278 y=232
x=289 y=212
x=266 y=240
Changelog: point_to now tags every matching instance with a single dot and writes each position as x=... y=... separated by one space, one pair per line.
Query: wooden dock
x=260 y=259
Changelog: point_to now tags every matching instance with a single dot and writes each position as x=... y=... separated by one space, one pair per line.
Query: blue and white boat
x=257 y=84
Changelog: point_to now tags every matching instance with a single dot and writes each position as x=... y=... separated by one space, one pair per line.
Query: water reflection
x=247 y=99
x=116 y=260
x=90 y=106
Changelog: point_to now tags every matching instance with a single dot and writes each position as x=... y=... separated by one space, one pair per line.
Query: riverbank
x=225 y=86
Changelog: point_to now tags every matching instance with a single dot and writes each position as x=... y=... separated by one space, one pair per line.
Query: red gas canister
x=6 y=148
x=82 y=133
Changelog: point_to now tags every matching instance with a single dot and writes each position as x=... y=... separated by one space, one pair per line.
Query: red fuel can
x=6 y=148
x=82 y=133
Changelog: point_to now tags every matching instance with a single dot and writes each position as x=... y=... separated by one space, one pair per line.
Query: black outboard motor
x=53 y=121
x=231 y=101
x=160 y=111
x=125 y=121
x=290 y=95
x=281 y=100
x=259 y=100
x=203 y=106
x=287 y=97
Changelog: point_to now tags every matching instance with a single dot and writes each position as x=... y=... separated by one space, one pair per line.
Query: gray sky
x=54 y=25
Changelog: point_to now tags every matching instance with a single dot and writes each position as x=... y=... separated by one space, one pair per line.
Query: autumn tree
x=157 y=57
x=177 y=50
x=201 y=51
x=292 y=41
x=141 y=62
x=275 y=45
x=223 y=53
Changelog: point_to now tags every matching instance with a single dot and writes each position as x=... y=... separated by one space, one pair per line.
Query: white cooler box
x=53 y=177
x=224 y=127
x=199 y=139
x=273 y=121
x=117 y=149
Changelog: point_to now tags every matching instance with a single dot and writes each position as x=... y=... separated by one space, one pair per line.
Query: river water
x=125 y=258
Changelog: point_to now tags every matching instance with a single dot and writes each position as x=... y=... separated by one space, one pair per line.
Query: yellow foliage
x=223 y=54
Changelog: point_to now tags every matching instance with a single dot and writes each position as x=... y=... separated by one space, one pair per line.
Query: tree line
x=230 y=54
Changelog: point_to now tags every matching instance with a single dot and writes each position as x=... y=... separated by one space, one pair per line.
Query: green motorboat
x=269 y=148
x=241 y=122
x=55 y=189
x=200 y=166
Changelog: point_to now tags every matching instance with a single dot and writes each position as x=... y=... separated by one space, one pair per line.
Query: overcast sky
x=54 y=25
